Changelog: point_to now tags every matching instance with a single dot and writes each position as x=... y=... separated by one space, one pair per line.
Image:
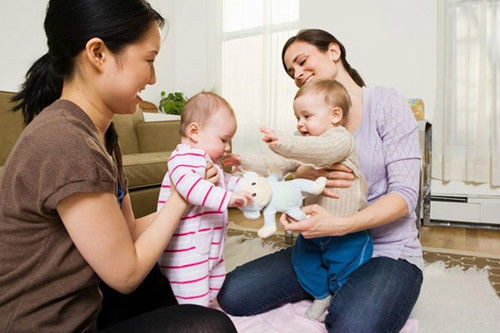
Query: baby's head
x=208 y=122
x=320 y=105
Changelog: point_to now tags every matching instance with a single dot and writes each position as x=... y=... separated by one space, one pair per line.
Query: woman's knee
x=230 y=298
x=209 y=320
x=378 y=297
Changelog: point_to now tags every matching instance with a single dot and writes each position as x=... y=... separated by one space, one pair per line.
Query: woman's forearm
x=386 y=209
x=142 y=224
x=154 y=234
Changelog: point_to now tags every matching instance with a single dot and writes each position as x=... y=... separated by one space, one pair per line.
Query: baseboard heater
x=466 y=209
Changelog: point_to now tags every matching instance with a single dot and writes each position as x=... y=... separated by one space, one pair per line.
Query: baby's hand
x=240 y=199
x=231 y=160
x=270 y=136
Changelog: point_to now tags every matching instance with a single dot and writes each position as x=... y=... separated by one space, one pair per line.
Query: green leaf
x=173 y=103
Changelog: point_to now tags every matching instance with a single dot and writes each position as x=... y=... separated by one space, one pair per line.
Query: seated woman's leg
x=187 y=318
x=153 y=293
x=152 y=307
x=261 y=285
x=378 y=297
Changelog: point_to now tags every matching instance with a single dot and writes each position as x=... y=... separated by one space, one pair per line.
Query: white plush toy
x=273 y=195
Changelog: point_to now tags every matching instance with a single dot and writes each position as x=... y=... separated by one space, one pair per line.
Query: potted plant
x=172 y=103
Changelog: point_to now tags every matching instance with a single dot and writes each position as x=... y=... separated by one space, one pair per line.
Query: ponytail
x=42 y=87
x=353 y=73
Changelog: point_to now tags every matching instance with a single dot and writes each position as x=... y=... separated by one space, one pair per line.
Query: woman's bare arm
x=386 y=209
x=100 y=231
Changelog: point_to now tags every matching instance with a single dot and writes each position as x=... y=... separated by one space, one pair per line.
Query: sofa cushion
x=158 y=136
x=11 y=125
x=146 y=169
x=125 y=125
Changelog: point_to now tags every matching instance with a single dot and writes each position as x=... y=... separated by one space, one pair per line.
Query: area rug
x=454 y=298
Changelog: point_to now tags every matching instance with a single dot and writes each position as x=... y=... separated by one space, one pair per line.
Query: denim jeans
x=378 y=296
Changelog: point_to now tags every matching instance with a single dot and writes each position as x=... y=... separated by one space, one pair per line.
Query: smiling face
x=305 y=62
x=215 y=136
x=129 y=72
x=314 y=116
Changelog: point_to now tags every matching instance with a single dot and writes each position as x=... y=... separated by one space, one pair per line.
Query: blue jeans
x=378 y=297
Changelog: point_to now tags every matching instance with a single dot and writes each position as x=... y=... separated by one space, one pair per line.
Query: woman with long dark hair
x=380 y=294
x=66 y=220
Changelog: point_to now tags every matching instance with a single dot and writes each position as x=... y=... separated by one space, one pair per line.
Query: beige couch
x=146 y=147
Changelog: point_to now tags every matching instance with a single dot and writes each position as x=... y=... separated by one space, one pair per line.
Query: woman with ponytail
x=379 y=295
x=66 y=221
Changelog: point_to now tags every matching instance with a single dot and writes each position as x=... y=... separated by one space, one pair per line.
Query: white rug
x=451 y=300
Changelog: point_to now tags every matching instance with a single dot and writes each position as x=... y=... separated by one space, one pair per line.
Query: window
x=253 y=79
x=467 y=142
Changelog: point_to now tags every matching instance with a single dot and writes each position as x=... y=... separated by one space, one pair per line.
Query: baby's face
x=216 y=135
x=313 y=115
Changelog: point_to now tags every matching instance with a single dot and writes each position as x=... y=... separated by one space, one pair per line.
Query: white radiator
x=467 y=209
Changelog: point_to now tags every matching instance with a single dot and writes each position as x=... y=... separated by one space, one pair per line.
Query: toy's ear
x=250 y=175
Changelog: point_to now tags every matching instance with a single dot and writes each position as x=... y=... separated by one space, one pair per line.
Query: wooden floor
x=463 y=239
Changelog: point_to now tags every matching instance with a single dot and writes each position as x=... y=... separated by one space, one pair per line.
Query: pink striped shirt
x=193 y=261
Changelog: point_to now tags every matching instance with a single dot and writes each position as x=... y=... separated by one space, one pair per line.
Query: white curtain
x=466 y=145
x=253 y=79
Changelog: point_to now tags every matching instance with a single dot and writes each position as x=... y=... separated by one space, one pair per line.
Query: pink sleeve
x=187 y=171
x=231 y=181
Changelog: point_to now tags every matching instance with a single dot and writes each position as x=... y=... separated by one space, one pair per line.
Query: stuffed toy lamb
x=272 y=195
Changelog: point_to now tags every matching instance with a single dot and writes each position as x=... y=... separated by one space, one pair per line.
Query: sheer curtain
x=253 y=79
x=466 y=143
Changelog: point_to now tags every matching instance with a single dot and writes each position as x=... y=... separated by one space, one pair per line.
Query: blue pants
x=378 y=297
x=323 y=264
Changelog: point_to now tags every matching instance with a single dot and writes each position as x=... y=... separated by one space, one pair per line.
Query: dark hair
x=322 y=39
x=69 y=24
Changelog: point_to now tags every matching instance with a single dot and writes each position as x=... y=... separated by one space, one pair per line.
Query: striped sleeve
x=231 y=181
x=187 y=170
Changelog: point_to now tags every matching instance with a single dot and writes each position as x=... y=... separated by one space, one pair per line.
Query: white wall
x=180 y=66
x=391 y=43
x=23 y=39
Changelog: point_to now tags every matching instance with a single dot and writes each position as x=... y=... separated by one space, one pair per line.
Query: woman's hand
x=338 y=176
x=320 y=223
x=177 y=197
x=211 y=174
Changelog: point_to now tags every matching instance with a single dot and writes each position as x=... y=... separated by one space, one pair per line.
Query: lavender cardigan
x=389 y=156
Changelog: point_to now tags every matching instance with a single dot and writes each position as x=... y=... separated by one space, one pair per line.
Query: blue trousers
x=323 y=264
x=378 y=297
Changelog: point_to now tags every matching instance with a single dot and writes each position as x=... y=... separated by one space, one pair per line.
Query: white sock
x=318 y=309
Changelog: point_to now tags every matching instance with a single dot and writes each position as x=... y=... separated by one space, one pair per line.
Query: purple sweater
x=389 y=156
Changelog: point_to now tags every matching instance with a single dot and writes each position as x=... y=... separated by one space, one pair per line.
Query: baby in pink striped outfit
x=193 y=261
